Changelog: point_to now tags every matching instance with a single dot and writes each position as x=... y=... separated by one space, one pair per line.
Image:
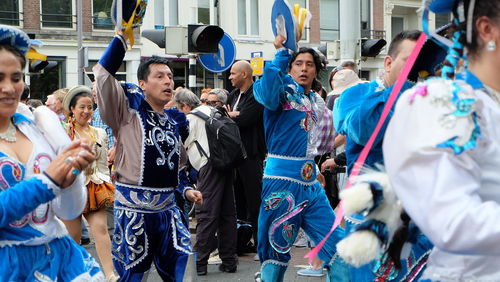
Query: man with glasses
x=217 y=97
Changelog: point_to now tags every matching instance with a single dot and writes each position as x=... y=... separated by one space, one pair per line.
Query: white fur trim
x=356 y=199
x=359 y=248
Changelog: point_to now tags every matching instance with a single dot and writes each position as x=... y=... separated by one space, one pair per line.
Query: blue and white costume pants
x=149 y=228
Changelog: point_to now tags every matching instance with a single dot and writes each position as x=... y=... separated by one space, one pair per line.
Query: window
x=50 y=80
x=397 y=25
x=9 y=12
x=365 y=14
x=56 y=13
x=204 y=11
x=248 y=17
x=329 y=20
x=121 y=73
x=442 y=19
x=180 y=71
x=173 y=12
x=101 y=16
x=204 y=78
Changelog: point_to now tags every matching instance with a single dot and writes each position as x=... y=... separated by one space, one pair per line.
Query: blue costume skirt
x=61 y=259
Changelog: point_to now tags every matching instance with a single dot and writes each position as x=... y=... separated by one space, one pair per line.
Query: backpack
x=224 y=141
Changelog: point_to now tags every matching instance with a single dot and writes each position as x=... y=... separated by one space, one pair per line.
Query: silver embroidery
x=131 y=234
x=158 y=135
x=150 y=201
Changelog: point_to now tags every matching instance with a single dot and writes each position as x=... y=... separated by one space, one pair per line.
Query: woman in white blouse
x=442 y=151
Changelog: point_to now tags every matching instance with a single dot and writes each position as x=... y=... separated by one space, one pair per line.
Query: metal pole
x=79 y=32
x=192 y=73
x=350 y=28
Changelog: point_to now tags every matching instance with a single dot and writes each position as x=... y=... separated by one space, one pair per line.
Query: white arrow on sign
x=220 y=55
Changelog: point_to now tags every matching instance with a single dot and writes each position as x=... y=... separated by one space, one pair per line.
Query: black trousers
x=248 y=190
x=217 y=214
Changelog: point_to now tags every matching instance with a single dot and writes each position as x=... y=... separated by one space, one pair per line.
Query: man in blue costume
x=148 y=223
x=359 y=108
x=298 y=126
x=356 y=114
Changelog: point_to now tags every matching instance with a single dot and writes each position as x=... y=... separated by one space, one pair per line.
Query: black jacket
x=250 y=121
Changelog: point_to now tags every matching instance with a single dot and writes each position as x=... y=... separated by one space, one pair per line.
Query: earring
x=491 y=46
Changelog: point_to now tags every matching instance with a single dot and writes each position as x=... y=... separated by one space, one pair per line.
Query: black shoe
x=201 y=272
x=84 y=241
x=228 y=269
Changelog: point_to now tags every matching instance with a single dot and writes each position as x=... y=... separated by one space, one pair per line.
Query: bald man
x=248 y=115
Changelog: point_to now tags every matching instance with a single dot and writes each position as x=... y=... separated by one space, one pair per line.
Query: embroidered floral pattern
x=463 y=108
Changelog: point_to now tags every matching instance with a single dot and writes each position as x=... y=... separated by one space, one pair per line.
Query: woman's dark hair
x=490 y=9
x=75 y=99
x=16 y=52
x=317 y=62
x=26 y=93
x=399 y=239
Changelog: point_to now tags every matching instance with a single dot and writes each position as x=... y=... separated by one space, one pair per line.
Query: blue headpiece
x=15 y=37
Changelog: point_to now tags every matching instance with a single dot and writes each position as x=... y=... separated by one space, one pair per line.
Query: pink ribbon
x=364 y=153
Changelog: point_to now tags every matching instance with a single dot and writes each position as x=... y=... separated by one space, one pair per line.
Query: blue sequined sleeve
x=24 y=197
x=269 y=89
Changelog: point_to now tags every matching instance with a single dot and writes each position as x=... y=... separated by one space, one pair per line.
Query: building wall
x=62 y=42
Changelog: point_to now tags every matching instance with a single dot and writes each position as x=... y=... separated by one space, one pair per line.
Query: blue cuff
x=185 y=190
x=375 y=226
x=112 y=58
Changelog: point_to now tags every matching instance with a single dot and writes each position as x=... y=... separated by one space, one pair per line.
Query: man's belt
x=143 y=199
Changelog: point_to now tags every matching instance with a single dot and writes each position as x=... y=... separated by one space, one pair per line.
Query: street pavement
x=247 y=267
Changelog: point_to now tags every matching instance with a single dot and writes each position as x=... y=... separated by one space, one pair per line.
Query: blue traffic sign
x=222 y=60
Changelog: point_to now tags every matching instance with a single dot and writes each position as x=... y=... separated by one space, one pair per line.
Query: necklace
x=91 y=133
x=10 y=134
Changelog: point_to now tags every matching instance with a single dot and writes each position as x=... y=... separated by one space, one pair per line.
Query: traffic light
x=204 y=38
x=155 y=35
x=372 y=47
x=39 y=66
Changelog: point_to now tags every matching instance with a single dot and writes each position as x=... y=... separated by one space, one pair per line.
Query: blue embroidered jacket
x=148 y=143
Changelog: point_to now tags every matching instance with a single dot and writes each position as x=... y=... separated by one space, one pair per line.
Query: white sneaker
x=256 y=257
x=309 y=271
x=214 y=258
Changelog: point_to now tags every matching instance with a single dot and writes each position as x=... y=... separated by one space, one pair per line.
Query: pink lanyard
x=364 y=153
